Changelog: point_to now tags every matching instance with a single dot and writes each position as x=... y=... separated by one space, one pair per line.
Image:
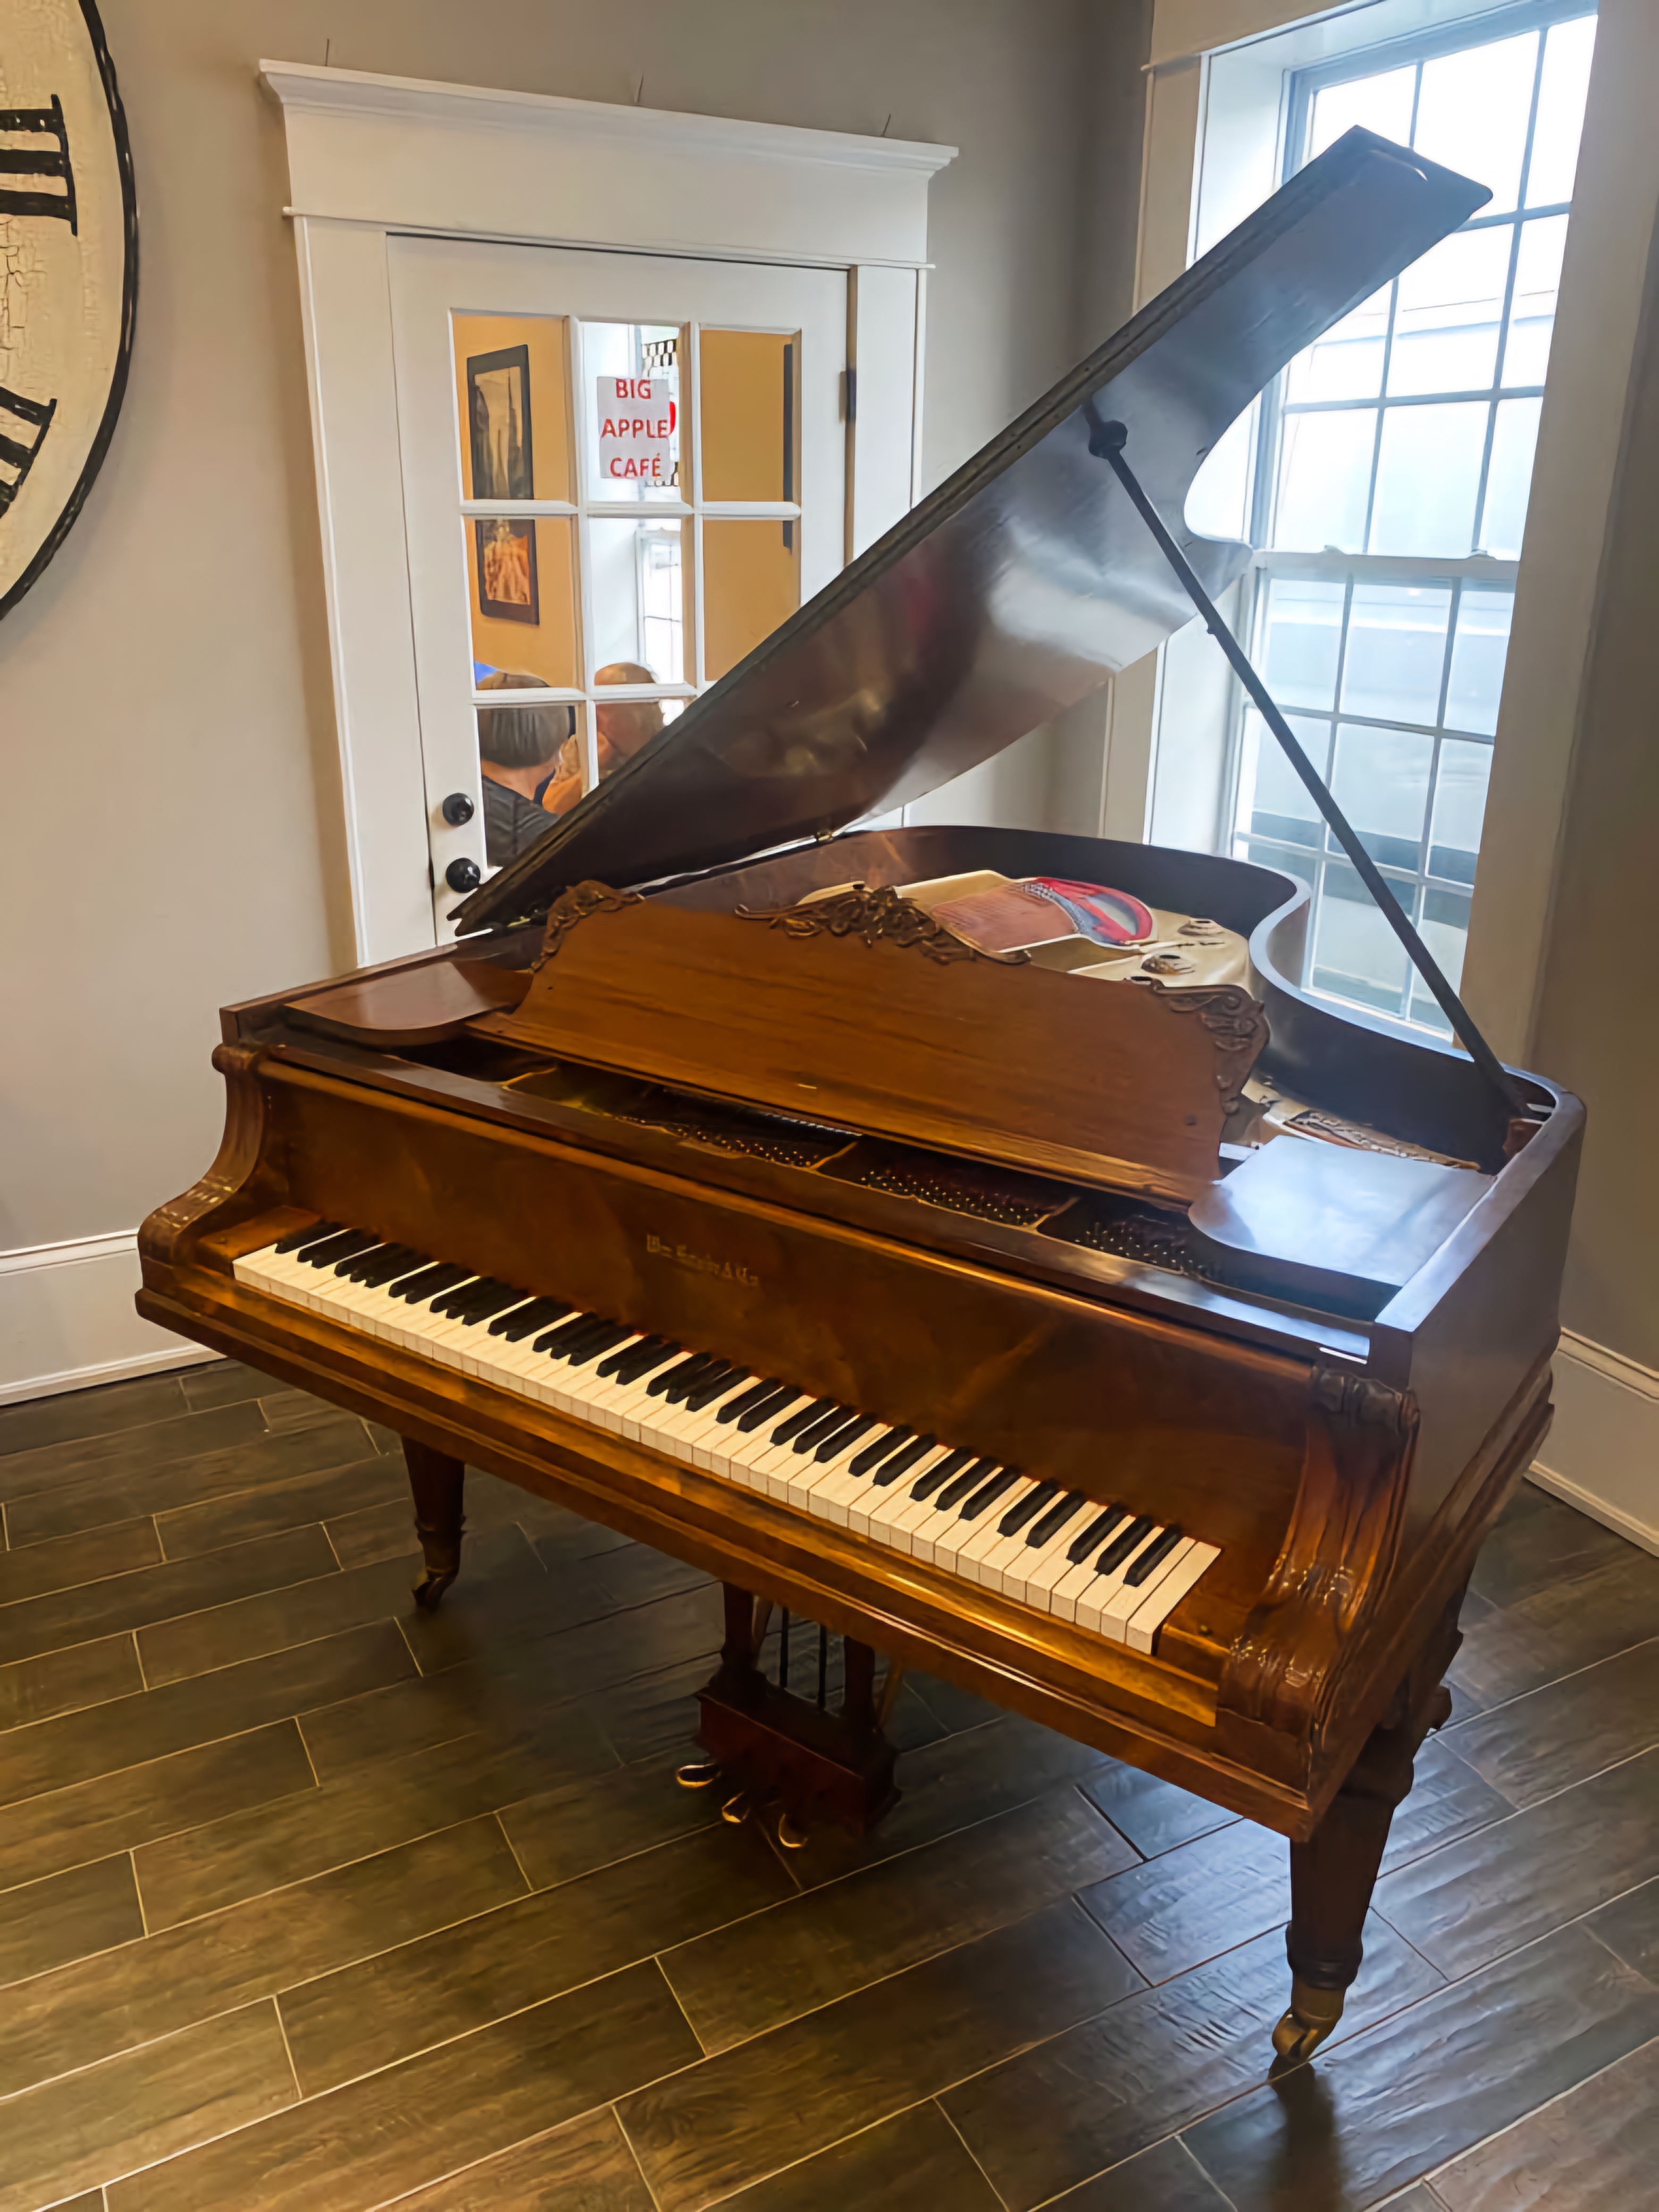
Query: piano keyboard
x=1114 y=1573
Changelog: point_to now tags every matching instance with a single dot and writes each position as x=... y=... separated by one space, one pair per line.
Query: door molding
x=370 y=156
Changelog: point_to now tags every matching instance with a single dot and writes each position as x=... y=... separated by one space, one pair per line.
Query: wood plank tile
x=634 y=1574
x=1382 y=2110
x=1630 y=1928
x=68 y=1915
x=1562 y=1627
x=247 y=1853
x=559 y=1834
x=64 y=1561
x=65 y=1682
x=107 y=1455
x=81 y=1414
x=584 y=2166
x=1592 y=2149
x=97 y=2007
x=404 y=2000
x=92 y=2202
x=1165 y=2178
x=387 y=1531
x=915 y=2162
x=163 y=1594
x=118 y=1812
x=1155 y=1815
x=380 y=2137
x=1560 y=1734
x=741 y=1981
x=1088 y=2100
x=151 y=2103
x=314 y=1495
x=1471 y=1901
x=736 y=2118
x=77 y=1746
x=285 y=1409
x=1198 y=1900
x=1448 y=1800
x=219 y=1383
x=135 y=1483
x=1539 y=1546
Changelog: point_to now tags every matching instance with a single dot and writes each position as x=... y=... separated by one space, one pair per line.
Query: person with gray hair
x=518 y=752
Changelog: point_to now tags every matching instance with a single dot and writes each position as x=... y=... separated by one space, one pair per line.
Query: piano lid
x=1022 y=582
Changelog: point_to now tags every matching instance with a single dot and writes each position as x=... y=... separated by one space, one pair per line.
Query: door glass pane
x=522 y=574
x=1396 y=652
x=1451 y=303
x=1301 y=640
x=1532 y=317
x=1381 y=785
x=529 y=759
x=1346 y=363
x=1567 y=51
x=1459 y=808
x=631 y=393
x=1382 y=103
x=1446 y=927
x=512 y=406
x=1509 y=479
x=1324 y=473
x=1473 y=112
x=1428 y=476
x=1478 y=652
x=1355 y=953
x=750 y=583
x=1278 y=804
x=637 y=582
x=746 y=383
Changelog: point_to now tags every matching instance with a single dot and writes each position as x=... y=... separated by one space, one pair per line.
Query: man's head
x=630 y=723
x=519 y=738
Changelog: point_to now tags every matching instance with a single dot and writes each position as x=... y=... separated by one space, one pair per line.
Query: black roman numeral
x=34 y=417
x=51 y=163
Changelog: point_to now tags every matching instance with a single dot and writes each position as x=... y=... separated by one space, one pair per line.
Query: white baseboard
x=1603 y=1454
x=67 y=1321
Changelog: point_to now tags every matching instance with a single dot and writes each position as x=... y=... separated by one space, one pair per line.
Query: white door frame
x=370 y=156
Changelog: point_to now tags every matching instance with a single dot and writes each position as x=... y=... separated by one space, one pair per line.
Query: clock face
x=69 y=274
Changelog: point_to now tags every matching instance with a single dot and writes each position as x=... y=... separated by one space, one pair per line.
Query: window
x=1391 y=471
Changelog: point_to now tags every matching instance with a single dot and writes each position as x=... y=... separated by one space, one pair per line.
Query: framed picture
x=498 y=408
x=507 y=589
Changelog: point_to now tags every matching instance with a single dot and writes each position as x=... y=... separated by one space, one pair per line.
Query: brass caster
x=736 y=1810
x=698 y=1774
x=430 y=1588
x=1313 y=2014
x=792 y=1835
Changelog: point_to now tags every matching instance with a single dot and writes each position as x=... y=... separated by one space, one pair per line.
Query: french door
x=621 y=472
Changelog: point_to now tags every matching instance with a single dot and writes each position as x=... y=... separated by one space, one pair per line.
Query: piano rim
x=463 y=1418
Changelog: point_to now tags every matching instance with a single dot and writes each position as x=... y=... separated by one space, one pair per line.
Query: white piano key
x=1092 y=1606
x=1023 y=1577
x=1120 y=1608
x=1163 y=1595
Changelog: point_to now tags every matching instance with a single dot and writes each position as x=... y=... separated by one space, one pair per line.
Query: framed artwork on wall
x=508 y=585
x=498 y=405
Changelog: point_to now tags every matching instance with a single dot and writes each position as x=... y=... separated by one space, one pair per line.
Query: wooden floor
x=307 y=1901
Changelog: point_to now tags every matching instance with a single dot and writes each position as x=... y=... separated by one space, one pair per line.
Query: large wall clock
x=69 y=274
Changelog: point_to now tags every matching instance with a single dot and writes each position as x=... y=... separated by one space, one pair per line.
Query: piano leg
x=1334 y=1872
x=437 y=1482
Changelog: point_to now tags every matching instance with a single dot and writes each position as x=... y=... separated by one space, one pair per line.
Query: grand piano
x=973 y=1241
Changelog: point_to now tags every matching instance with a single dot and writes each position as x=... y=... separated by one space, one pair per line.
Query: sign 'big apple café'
x=637 y=421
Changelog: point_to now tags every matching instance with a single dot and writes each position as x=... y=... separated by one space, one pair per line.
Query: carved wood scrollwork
x=1285 y=1668
x=242 y=1180
x=575 y=905
x=1236 y=1021
x=876 y=916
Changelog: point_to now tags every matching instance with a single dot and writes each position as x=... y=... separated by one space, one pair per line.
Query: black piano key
x=627 y=1354
x=964 y=1483
x=680 y=1381
x=639 y=1362
x=315 y=1232
x=686 y=1369
x=587 y=1349
x=808 y=1439
x=986 y=1496
x=1153 y=1556
x=883 y=1447
x=901 y=1463
x=348 y=1241
x=756 y=1396
x=802 y=1419
x=523 y=1321
x=1126 y=1546
x=767 y=1410
x=711 y=1387
x=1096 y=1533
x=844 y=1436
x=556 y=1342
x=1056 y=1518
x=504 y=1299
x=427 y=1282
x=936 y=1476
x=376 y=1269
x=457 y=1304
x=1033 y=1502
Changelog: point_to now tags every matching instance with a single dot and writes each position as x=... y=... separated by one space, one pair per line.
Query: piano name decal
x=701 y=1263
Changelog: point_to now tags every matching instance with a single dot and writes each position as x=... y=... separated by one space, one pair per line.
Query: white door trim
x=372 y=156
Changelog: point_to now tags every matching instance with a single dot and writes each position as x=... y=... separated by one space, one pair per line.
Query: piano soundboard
x=1117 y=1574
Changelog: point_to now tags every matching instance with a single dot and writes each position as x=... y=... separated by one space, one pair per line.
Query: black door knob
x=463 y=875
x=456 y=809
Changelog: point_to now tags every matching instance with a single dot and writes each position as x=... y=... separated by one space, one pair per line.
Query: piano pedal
x=791 y=1834
x=697 y=1773
x=1312 y=2014
x=736 y=1810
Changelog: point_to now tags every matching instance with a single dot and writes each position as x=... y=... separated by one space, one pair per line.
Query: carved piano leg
x=437 y=1482
x=1334 y=1872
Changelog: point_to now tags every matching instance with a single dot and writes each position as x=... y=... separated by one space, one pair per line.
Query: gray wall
x=172 y=793
x=1596 y=1030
